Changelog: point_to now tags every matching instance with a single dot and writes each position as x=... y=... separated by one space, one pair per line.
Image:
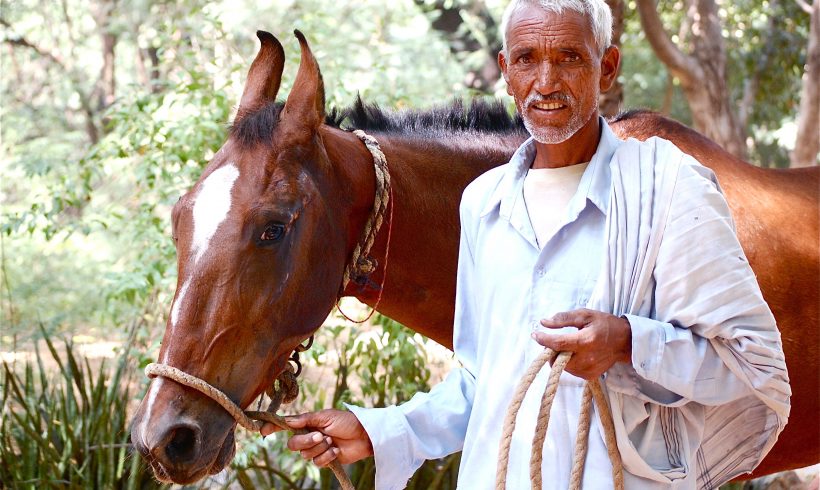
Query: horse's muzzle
x=183 y=437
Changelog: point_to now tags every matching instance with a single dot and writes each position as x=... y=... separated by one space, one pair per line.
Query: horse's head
x=262 y=240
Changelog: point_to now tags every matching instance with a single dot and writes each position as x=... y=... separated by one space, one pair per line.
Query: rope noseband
x=285 y=389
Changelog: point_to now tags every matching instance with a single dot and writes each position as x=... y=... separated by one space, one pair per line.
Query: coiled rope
x=592 y=389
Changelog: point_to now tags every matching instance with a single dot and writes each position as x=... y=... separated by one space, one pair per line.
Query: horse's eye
x=272 y=233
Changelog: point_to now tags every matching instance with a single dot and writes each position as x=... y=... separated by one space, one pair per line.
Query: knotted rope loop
x=286 y=387
x=306 y=346
x=592 y=390
x=361 y=263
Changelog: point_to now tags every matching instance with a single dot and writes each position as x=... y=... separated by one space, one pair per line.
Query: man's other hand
x=601 y=340
x=335 y=434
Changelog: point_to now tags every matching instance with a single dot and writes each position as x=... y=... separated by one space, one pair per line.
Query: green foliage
x=376 y=364
x=70 y=431
x=647 y=82
x=765 y=46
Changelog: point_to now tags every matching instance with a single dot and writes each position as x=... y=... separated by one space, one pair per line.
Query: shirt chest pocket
x=551 y=297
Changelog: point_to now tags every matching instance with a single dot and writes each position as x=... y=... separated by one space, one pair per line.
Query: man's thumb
x=298 y=421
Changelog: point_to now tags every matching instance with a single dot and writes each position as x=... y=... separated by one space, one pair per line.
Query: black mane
x=479 y=116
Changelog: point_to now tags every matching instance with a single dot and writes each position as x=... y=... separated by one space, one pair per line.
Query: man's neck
x=579 y=148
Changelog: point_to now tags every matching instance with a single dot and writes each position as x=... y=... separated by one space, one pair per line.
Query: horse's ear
x=306 y=102
x=264 y=76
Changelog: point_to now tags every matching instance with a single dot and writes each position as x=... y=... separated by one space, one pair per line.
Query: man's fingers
x=311 y=419
x=269 y=429
x=299 y=421
x=560 y=343
x=317 y=449
x=305 y=441
x=326 y=457
x=575 y=318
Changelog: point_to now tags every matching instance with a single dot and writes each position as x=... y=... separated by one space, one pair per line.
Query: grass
x=67 y=427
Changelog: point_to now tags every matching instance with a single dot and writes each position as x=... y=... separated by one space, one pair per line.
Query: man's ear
x=610 y=62
x=502 y=63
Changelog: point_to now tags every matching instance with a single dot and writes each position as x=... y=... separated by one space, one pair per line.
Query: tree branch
x=805 y=6
x=85 y=103
x=468 y=27
x=681 y=65
x=807 y=143
x=21 y=41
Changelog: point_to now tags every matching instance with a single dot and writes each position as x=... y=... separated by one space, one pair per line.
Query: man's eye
x=525 y=59
x=272 y=233
x=572 y=58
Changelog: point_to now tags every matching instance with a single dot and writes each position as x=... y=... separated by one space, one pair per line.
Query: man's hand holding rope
x=335 y=434
x=601 y=340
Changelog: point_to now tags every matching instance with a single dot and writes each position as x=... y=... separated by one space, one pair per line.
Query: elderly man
x=626 y=253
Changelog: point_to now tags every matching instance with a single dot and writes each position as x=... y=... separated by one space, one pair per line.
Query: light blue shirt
x=506 y=284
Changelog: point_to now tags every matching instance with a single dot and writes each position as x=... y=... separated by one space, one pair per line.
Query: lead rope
x=286 y=388
x=592 y=389
x=251 y=420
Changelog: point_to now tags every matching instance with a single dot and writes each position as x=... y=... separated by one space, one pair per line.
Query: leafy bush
x=70 y=431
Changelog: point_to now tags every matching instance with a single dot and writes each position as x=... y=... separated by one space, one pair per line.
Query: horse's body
x=431 y=160
x=776 y=214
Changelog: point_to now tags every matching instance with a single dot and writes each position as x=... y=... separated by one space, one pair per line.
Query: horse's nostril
x=182 y=445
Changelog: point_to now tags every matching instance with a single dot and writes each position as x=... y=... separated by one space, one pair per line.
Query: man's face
x=553 y=70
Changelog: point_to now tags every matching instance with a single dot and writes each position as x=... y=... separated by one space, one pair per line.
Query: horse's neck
x=428 y=177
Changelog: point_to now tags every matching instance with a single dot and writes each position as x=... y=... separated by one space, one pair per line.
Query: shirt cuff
x=387 y=429
x=648 y=339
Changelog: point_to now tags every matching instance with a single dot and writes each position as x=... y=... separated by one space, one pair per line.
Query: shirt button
x=540 y=272
x=534 y=325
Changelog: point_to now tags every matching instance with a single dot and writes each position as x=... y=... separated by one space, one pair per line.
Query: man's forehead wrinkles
x=526 y=25
x=542 y=30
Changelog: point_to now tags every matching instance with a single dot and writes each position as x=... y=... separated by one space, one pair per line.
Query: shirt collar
x=594 y=185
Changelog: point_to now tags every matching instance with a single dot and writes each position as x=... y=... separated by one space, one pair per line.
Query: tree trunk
x=702 y=74
x=807 y=144
x=610 y=101
x=107 y=84
x=107 y=77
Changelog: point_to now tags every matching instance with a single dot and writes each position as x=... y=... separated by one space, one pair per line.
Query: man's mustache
x=553 y=97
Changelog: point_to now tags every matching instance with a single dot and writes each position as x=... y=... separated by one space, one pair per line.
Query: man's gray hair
x=597 y=11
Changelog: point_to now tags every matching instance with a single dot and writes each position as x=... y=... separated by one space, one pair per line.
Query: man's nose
x=548 y=80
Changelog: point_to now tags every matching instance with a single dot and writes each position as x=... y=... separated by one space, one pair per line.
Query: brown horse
x=264 y=236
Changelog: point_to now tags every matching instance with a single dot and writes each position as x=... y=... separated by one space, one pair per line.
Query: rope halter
x=285 y=389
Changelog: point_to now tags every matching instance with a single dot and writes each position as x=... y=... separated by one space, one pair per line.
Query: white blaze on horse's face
x=178 y=303
x=211 y=207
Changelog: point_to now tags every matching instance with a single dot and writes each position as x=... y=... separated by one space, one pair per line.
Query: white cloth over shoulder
x=662 y=218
